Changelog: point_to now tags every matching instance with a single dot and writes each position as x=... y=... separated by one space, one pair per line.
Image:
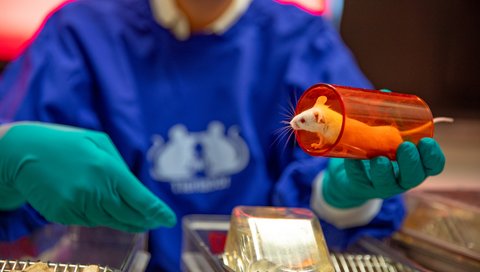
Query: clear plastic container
x=275 y=239
x=440 y=233
x=66 y=245
x=203 y=242
x=338 y=121
x=205 y=235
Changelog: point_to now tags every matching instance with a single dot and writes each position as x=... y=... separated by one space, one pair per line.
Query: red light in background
x=315 y=7
x=19 y=20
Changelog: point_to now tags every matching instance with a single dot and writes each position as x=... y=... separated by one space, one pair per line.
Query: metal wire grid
x=11 y=265
x=366 y=263
x=341 y=263
x=360 y=263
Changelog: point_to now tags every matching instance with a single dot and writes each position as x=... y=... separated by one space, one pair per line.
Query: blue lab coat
x=198 y=121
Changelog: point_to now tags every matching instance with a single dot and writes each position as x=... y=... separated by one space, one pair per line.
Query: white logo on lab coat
x=195 y=162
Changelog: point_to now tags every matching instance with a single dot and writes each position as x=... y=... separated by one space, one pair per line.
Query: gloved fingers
x=144 y=205
x=68 y=218
x=432 y=156
x=75 y=212
x=410 y=166
x=359 y=181
x=104 y=142
x=62 y=213
x=383 y=177
x=91 y=218
x=356 y=171
x=94 y=209
x=10 y=198
x=124 y=215
x=105 y=214
x=82 y=213
x=131 y=203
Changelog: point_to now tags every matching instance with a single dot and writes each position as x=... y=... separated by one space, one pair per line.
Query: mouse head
x=313 y=119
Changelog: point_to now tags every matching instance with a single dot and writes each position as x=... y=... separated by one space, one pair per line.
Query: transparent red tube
x=358 y=123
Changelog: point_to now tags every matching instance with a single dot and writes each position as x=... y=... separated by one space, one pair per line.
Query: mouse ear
x=321 y=100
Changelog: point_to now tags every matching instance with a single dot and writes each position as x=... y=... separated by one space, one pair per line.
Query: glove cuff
x=342 y=217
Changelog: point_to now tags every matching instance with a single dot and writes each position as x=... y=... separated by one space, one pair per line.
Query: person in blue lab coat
x=190 y=94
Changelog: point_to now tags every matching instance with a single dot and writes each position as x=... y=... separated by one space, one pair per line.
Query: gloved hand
x=350 y=183
x=75 y=176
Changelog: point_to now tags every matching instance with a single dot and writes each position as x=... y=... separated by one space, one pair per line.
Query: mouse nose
x=294 y=124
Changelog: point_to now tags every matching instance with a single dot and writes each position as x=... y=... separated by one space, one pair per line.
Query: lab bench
x=440 y=233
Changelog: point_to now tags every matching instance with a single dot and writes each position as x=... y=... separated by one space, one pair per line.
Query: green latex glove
x=76 y=177
x=350 y=183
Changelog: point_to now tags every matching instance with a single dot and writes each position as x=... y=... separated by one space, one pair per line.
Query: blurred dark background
x=430 y=48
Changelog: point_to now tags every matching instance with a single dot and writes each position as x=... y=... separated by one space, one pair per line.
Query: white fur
x=307 y=121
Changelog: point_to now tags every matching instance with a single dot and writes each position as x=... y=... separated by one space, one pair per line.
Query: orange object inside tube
x=356 y=123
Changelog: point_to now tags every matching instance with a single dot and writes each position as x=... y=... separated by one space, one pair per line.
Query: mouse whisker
x=288 y=113
x=285 y=131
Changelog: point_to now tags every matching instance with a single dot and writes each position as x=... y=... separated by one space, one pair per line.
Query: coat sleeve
x=322 y=57
x=48 y=82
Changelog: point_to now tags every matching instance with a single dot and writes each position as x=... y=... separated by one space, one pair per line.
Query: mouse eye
x=302 y=120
